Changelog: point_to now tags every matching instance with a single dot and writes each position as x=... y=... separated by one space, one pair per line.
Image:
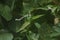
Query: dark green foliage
x=29 y=20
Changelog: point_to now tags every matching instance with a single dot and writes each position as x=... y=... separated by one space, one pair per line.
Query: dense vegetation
x=29 y=19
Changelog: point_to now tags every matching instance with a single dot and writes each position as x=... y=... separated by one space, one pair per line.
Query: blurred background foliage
x=29 y=19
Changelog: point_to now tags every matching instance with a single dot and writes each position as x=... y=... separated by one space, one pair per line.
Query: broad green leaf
x=5 y=12
x=6 y=36
x=25 y=24
x=37 y=25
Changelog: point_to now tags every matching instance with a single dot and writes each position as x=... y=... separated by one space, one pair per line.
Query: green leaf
x=57 y=28
x=32 y=36
x=37 y=25
x=6 y=36
x=36 y=17
x=25 y=24
x=5 y=12
x=12 y=6
x=54 y=34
